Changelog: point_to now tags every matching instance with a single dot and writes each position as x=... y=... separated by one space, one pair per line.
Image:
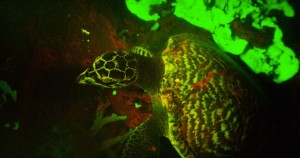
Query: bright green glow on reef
x=85 y=31
x=256 y=60
x=137 y=105
x=223 y=37
x=222 y=12
x=16 y=126
x=141 y=8
x=283 y=58
x=114 y=92
x=216 y=16
x=155 y=27
x=278 y=61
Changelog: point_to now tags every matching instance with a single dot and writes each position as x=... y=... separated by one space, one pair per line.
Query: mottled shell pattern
x=211 y=104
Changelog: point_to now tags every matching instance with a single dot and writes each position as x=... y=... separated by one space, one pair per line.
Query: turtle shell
x=213 y=106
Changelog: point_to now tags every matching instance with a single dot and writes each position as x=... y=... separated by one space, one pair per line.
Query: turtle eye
x=111 y=70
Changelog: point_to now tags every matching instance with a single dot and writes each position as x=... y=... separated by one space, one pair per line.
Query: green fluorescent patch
x=85 y=31
x=141 y=8
x=277 y=60
x=223 y=37
x=284 y=61
x=155 y=27
x=256 y=60
x=114 y=92
x=16 y=126
x=137 y=105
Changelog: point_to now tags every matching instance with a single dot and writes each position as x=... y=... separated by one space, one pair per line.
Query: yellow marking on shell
x=183 y=88
x=213 y=120
x=212 y=95
x=169 y=46
x=189 y=129
x=205 y=116
x=202 y=136
x=219 y=111
x=234 y=119
x=193 y=111
x=226 y=134
x=195 y=79
x=200 y=56
x=171 y=68
x=203 y=102
x=215 y=137
x=141 y=51
x=186 y=61
x=197 y=103
x=223 y=127
x=196 y=128
x=228 y=114
x=202 y=127
x=188 y=76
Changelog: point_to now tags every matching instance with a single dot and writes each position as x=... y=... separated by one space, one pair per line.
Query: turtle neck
x=150 y=71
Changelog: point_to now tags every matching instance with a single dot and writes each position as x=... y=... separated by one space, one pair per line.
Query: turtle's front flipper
x=144 y=141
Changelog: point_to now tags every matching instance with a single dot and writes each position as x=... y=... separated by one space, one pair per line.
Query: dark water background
x=42 y=50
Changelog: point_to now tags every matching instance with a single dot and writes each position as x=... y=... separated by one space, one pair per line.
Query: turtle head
x=115 y=69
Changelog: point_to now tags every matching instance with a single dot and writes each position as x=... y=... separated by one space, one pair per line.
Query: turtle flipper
x=144 y=141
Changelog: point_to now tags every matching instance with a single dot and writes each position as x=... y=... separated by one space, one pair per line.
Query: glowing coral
x=100 y=121
x=216 y=17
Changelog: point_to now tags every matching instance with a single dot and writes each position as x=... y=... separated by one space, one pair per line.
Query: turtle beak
x=82 y=78
x=79 y=79
x=85 y=78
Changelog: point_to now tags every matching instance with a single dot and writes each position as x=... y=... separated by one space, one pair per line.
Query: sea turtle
x=202 y=101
